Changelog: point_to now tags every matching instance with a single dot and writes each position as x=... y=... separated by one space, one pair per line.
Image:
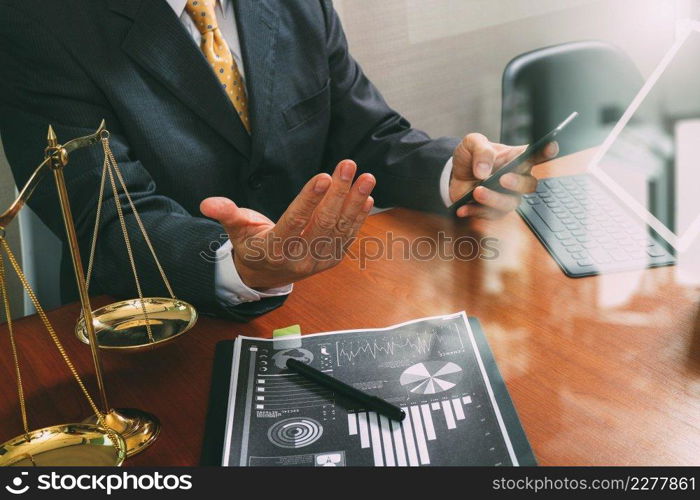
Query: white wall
x=7 y=193
x=439 y=62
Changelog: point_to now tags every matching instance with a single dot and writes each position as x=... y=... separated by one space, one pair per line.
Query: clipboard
x=214 y=438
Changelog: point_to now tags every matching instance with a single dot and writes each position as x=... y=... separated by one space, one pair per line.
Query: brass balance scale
x=110 y=435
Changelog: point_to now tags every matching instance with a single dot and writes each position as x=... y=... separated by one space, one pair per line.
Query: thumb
x=462 y=163
x=233 y=218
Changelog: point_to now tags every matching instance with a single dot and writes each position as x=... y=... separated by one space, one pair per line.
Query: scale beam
x=60 y=154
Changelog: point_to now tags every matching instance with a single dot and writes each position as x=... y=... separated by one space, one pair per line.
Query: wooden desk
x=602 y=370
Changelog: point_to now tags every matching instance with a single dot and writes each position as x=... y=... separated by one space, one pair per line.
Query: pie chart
x=431 y=377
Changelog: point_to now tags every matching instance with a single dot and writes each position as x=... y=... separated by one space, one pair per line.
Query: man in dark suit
x=246 y=103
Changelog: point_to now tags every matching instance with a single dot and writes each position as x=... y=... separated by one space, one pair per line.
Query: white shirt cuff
x=445 y=183
x=230 y=289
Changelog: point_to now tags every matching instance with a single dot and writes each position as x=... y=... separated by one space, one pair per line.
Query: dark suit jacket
x=176 y=135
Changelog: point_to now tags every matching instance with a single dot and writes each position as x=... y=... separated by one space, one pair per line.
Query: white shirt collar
x=179 y=6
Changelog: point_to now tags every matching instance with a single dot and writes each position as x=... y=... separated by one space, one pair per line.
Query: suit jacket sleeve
x=406 y=162
x=43 y=83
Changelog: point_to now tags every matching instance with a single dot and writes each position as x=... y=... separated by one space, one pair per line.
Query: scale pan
x=63 y=445
x=122 y=325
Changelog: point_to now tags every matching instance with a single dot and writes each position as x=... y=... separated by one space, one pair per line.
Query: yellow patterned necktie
x=219 y=55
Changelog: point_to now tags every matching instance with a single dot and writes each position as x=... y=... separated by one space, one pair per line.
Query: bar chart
x=406 y=443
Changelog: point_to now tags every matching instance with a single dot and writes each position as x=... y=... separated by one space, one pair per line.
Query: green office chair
x=541 y=88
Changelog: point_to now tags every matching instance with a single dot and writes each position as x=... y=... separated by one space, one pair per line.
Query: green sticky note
x=287 y=331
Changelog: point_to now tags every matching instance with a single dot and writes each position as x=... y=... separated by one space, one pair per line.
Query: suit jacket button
x=255 y=182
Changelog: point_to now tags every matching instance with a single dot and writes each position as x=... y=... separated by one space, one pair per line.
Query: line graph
x=408 y=345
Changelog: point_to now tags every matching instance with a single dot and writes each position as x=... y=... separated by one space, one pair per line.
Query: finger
x=326 y=214
x=236 y=221
x=499 y=201
x=508 y=153
x=354 y=203
x=359 y=221
x=463 y=211
x=522 y=184
x=299 y=213
x=547 y=153
x=482 y=212
x=483 y=155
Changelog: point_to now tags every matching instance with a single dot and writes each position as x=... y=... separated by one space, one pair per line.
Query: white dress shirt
x=230 y=289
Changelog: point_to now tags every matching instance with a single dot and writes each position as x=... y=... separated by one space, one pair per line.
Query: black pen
x=368 y=401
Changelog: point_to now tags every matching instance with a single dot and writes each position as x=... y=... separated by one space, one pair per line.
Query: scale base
x=138 y=428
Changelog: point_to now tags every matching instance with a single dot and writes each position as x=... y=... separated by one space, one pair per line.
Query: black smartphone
x=520 y=165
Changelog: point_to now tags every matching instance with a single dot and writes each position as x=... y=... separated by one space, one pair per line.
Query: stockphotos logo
x=18 y=487
x=107 y=483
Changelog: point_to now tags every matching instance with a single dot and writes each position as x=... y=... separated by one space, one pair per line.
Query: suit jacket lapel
x=257 y=30
x=159 y=43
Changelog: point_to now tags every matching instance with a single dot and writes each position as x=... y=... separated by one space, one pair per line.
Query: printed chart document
x=439 y=370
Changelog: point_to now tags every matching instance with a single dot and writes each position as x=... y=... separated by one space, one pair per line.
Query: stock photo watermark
x=360 y=249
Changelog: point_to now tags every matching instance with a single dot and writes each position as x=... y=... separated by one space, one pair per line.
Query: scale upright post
x=138 y=429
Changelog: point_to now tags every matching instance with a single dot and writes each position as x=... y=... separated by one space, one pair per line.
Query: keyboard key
x=578 y=256
x=574 y=249
x=619 y=255
x=656 y=251
x=600 y=256
x=585 y=263
x=578 y=232
x=533 y=201
x=549 y=218
x=568 y=242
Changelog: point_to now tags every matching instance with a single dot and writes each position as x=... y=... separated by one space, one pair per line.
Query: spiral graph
x=295 y=432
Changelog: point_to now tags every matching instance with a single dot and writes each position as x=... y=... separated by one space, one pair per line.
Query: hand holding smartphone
x=520 y=165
